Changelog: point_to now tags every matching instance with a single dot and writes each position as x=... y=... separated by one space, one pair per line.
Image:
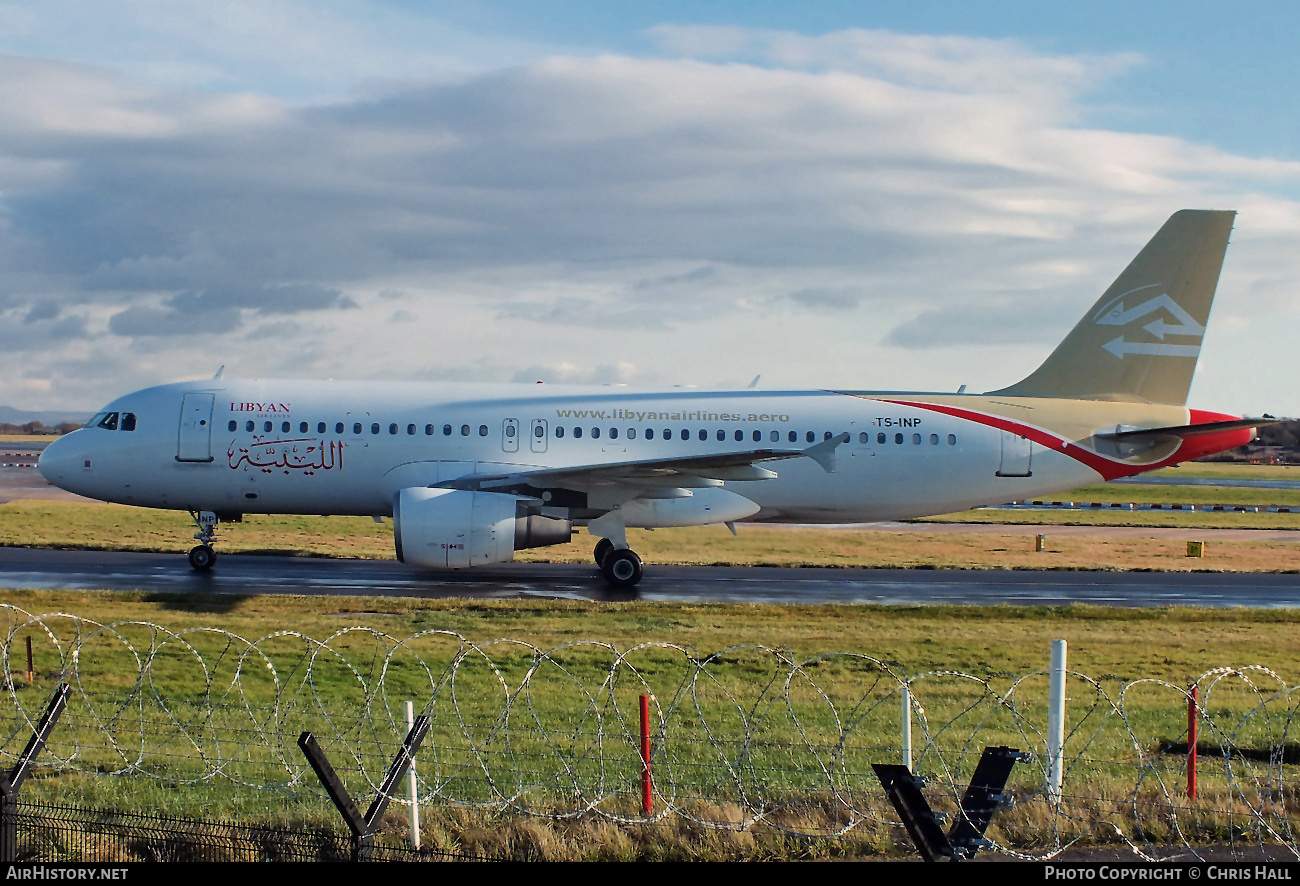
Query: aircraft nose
x=58 y=459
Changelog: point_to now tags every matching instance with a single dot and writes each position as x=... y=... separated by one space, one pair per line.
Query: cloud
x=141 y=320
x=701 y=210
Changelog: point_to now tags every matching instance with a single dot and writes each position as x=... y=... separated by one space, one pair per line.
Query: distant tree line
x=1279 y=443
x=39 y=429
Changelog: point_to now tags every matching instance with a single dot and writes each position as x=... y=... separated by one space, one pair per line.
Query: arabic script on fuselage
x=308 y=455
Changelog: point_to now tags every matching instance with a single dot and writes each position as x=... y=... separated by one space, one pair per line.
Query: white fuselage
x=314 y=447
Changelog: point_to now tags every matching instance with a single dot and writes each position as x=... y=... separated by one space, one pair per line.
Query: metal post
x=647 y=782
x=9 y=785
x=1056 y=723
x=1192 y=736
x=363 y=826
x=411 y=785
x=907 y=727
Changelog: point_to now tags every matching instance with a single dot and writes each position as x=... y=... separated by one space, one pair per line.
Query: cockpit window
x=128 y=421
x=108 y=422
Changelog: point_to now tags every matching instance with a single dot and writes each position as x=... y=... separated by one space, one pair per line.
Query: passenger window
x=356 y=427
x=863 y=438
x=722 y=436
x=446 y=430
x=539 y=431
x=284 y=428
x=338 y=427
x=810 y=436
x=464 y=430
x=482 y=430
x=649 y=433
x=410 y=430
x=758 y=436
x=428 y=430
x=686 y=434
x=794 y=436
x=916 y=439
x=577 y=433
x=740 y=436
x=559 y=432
x=613 y=433
x=704 y=435
x=320 y=427
x=898 y=439
x=776 y=436
x=266 y=426
x=595 y=433
x=248 y=426
x=392 y=428
x=374 y=427
x=233 y=424
x=952 y=439
x=934 y=439
x=880 y=438
x=631 y=433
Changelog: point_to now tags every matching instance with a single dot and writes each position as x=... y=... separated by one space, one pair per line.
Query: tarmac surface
x=246 y=575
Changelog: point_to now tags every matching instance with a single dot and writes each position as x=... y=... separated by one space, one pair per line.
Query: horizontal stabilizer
x=1146 y=443
x=1184 y=431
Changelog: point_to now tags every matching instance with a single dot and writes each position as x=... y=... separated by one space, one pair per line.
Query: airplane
x=471 y=473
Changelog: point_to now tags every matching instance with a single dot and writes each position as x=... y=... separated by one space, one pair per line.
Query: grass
x=77 y=525
x=791 y=725
x=993 y=647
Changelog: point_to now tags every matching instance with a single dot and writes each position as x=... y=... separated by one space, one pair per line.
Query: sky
x=896 y=196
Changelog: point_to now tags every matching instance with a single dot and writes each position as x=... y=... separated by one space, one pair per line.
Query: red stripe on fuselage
x=1109 y=469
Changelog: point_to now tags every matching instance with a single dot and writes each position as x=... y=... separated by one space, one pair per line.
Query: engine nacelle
x=457 y=529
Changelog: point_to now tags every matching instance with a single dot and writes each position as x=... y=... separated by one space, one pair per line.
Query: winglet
x=824 y=452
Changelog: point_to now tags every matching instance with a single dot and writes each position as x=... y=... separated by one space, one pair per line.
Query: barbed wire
x=746 y=738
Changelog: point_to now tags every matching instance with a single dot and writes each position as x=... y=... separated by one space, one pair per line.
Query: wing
x=611 y=483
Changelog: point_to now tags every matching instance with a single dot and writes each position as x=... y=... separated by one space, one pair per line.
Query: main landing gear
x=202 y=557
x=621 y=566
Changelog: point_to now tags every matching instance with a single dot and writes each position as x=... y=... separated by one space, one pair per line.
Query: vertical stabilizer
x=1141 y=340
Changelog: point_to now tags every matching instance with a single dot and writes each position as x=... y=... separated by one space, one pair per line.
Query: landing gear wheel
x=202 y=557
x=603 y=547
x=622 y=568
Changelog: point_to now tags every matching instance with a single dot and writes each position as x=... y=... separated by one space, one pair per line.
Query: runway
x=241 y=575
x=236 y=575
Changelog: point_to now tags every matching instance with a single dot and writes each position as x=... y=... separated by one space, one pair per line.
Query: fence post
x=907 y=726
x=363 y=826
x=9 y=785
x=1056 y=722
x=647 y=781
x=1192 y=736
x=411 y=783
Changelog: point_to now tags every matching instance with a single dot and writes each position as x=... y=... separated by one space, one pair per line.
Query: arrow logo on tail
x=1119 y=347
x=1115 y=314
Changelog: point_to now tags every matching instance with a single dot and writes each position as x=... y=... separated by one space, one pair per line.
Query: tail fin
x=1141 y=340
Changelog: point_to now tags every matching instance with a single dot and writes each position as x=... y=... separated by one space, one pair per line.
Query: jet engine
x=457 y=529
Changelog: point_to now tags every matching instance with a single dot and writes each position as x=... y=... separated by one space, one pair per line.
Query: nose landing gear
x=202 y=557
